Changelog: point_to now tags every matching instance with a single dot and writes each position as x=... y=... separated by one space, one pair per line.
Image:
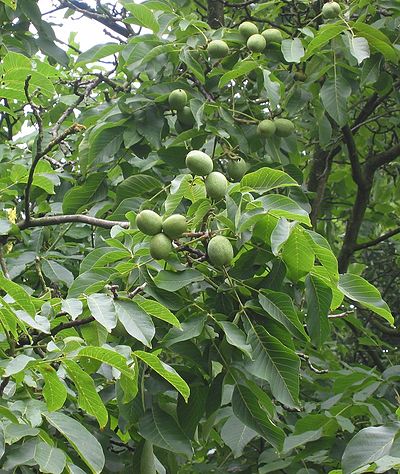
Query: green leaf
x=79 y=196
x=325 y=34
x=14 y=60
x=10 y=3
x=367 y=446
x=15 y=79
x=17 y=364
x=359 y=48
x=235 y=337
x=56 y=272
x=193 y=65
x=298 y=255
x=324 y=254
x=358 y=289
x=246 y=407
x=102 y=309
x=137 y=185
x=174 y=281
x=54 y=391
x=377 y=40
x=88 y=398
x=84 y=443
x=272 y=88
x=292 y=50
x=50 y=459
x=18 y=294
x=280 y=234
x=275 y=363
x=265 y=179
x=73 y=307
x=334 y=94
x=157 y=310
x=188 y=330
x=240 y=69
x=105 y=144
x=236 y=435
x=165 y=371
x=143 y=16
x=280 y=307
x=99 y=51
x=108 y=356
x=294 y=441
x=163 y=431
x=136 y=321
x=319 y=298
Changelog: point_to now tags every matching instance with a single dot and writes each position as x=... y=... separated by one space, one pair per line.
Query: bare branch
x=378 y=240
x=67 y=218
x=382 y=159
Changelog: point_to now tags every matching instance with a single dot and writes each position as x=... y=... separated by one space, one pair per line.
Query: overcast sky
x=89 y=31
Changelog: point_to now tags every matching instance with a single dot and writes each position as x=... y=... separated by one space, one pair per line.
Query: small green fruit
x=177 y=99
x=174 y=226
x=284 y=127
x=216 y=185
x=217 y=49
x=256 y=43
x=160 y=247
x=266 y=128
x=331 y=10
x=236 y=169
x=186 y=118
x=272 y=35
x=199 y=163
x=248 y=29
x=300 y=76
x=220 y=251
x=149 y=222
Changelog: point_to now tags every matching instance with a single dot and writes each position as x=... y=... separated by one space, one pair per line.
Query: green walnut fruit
x=284 y=127
x=149 y=222
x=248 y=29
x=174 y=226
x=256 y=43
x=185 y=118
x=220 y=251
x=272 y=35
x=236 y=169
x=217 y=49
x=160 y=247
x=300 y=76
x=331 y=10
x=177 y=99
x=199 y=163
x=266 y=128
x=216 y=185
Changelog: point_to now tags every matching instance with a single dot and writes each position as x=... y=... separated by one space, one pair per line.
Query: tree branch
x=61 y=327
x=383 y=158
x=90 y=12
x=357 y=174
x=67 y=218
x=378 y=240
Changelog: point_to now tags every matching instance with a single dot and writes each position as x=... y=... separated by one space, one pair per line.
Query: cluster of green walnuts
x=164 y=231
x=256 y=42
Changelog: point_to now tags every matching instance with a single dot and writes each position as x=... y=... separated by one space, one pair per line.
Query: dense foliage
x=282 y=359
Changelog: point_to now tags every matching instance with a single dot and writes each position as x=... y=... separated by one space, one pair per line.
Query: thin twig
x=67 y=218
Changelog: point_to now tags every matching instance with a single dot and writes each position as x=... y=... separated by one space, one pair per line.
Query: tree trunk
x=215 y=13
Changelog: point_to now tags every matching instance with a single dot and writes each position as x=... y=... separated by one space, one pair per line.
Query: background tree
x=122 y=350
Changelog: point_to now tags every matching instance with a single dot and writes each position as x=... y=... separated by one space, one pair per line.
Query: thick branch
x=378 y=240
x=215 y=10
x=67 y=218
x=354 y=225
x=357 y=174
x=382 y=159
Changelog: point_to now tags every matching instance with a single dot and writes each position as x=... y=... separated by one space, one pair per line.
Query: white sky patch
x=89 y=32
